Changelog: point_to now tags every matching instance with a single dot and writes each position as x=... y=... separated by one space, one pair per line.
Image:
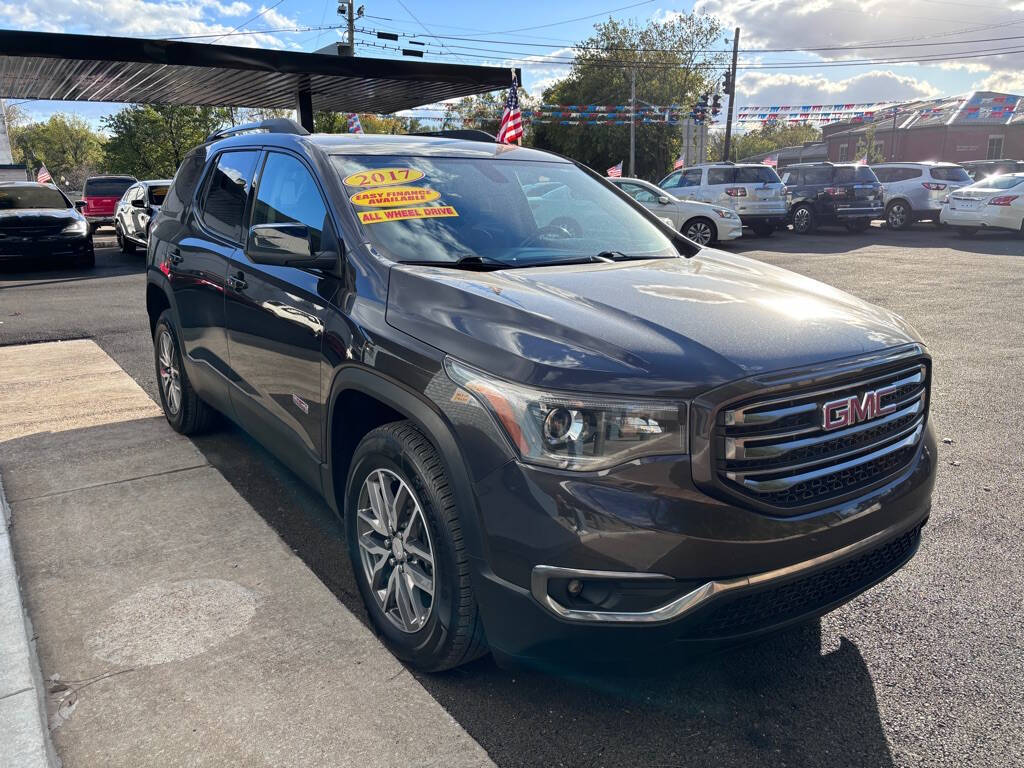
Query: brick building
x=982 y=125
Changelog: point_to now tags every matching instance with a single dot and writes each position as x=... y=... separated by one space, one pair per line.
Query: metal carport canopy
x=45 y=65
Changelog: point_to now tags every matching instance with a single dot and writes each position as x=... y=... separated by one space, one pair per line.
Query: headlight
x=726 y=214
x=79 y=227
x=576 y=432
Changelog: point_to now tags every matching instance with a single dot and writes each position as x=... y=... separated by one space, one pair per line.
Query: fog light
x=574 y=587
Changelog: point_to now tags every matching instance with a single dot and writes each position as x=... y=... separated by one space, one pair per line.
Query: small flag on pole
x=511 y=129
x=863 y=160
x=43 y=177
x=677 y=164
x=615 y=171
x=354 y=126
x=772 y=160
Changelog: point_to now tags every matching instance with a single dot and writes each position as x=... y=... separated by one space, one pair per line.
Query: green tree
x=150 y=141
x=69 y=148
x=866 y=147
x=337 y=122
x=768 y=138
x=672 y=66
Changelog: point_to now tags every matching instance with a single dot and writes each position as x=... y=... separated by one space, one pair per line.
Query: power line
x=570 y=21
x=246 y=23
x=406 y=8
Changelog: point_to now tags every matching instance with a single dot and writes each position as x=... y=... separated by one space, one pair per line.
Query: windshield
x=12 y=198
x=511 y=212
x=846 y=173
x=999 y=182
x=106 y=187
x=950 y=173
x=157 y=195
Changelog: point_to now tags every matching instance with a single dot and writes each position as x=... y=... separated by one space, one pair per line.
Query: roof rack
x=274 y=125
x=468 y=134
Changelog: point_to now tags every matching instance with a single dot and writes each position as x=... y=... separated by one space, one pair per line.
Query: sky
x=863 y=46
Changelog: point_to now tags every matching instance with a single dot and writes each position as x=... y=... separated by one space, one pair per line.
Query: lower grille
x=807 y=595
x=812 y=448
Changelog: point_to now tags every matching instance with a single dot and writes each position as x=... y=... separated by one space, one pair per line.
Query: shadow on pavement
x=110 y=262
x=780 y=701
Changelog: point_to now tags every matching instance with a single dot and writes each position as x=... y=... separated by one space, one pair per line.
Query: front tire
x=803 y=220
x=127 y=246
x=184 y=409
x=407 y=550
x=702 y=231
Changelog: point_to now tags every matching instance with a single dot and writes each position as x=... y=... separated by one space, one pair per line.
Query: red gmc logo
x=836 y=414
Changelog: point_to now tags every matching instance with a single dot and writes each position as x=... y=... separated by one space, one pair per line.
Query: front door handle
x=175 y=257
x=237 y=282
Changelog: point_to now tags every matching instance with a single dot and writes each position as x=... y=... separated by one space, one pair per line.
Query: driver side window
x=288 y=195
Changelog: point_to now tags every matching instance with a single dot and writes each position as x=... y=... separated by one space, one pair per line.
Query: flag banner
x=511 y=129
x=44 y=177
x=616 y=170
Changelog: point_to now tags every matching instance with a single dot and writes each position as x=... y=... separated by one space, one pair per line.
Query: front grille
x=778 y=452
x=806 y=595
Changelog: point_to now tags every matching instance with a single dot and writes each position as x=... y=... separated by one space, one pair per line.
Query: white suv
x=752 y=190
x=913 y=191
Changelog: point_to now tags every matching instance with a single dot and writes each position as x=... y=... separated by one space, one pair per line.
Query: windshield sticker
x=393 y=196
x=382 y=177
x=397 y=214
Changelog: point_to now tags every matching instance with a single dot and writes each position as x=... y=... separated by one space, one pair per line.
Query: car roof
x=929 y=163
x=112 y=176
x=153 y=182
x=633 y=179
x=386 y=144
x=25 y=184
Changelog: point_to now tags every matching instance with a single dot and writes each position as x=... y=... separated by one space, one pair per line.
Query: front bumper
x=721 y=571
x=729 y=229
x=49 y=250
x=100 y=221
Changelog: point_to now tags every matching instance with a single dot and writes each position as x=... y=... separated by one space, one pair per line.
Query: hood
x=671 y=327
x=14 y=218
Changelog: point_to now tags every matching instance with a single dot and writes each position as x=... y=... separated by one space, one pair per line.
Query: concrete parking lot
x=926 y=669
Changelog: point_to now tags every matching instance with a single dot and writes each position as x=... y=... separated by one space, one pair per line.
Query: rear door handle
x=237 y=282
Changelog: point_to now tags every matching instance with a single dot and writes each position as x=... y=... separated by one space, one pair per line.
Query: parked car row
x=809 y=195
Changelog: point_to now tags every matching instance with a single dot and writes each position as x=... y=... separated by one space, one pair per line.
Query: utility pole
x=731 y=91
x=632 y=123
x=687 y=140
x=892 y=139
x=346 y=8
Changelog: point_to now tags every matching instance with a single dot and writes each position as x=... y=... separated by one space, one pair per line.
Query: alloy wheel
x=396 y=550
x=699 y=232
x=801 y=219
x=170 y=375
x=897 y=216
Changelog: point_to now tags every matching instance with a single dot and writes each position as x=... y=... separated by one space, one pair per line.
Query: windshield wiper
x=472 y=263
x=620 y=256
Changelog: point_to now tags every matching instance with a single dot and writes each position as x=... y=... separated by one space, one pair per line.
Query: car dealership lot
x=925 y=669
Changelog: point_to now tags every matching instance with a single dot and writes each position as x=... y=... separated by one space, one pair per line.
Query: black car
x=543 y=437
x=39 y=226
x=832 y=193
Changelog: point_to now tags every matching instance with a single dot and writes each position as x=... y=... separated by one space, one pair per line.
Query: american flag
x=354 y=126
x=44 y=177
x=511 y=129
x=616 y=171
x=677 y=164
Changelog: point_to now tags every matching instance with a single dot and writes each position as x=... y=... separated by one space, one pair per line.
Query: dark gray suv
x=581 y=433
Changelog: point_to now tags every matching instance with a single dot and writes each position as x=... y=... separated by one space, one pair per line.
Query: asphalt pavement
x=926 y=669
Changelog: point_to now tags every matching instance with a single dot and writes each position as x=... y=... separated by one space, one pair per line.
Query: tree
x=66 y=144
x=672 y=67
x=150 y=141
x=768 y=138
x=866 y=147
x=337 y=122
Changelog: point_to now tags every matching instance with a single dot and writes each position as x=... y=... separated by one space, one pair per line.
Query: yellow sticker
x=397 y=214
x=382 y=177
x=389 y=196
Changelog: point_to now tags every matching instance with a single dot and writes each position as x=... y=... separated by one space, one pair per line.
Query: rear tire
x=701 y=230
x=185 y=411
x=803 y=220
x=407 y=538
x=898 y=215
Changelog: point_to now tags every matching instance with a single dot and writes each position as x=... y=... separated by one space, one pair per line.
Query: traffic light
x=716 y=105
x=727 y=84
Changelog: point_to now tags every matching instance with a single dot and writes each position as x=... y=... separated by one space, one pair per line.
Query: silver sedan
x=701 y=222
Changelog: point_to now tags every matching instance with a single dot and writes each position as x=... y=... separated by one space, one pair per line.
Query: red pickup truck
x=99 y=198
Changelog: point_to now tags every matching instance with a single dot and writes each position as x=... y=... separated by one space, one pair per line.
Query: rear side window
x=721 y=175
x=110 y=187
x=854 y=173
x=821 y=174
x=885 y=175
x=185 y=181
x=950 y=173
x=157 y=195
x=691 y=178
x=288 y=195
x=226 y=193
x=756 y=174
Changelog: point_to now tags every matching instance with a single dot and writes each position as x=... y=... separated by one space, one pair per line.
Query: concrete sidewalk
x=174 y=626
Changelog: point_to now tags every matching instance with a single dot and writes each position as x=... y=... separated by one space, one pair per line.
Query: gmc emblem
x=848 y=411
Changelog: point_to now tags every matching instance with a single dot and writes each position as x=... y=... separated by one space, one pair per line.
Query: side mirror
x=663 y=200
x=137 y=203
x=79 y=205
x=287 y=245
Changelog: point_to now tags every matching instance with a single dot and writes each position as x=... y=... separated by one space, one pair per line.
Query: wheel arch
x=899 y=199
x=700 y=217
x=158 y=299
x=378 y=400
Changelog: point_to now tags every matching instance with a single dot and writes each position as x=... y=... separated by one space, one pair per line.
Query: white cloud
x=774 y=88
